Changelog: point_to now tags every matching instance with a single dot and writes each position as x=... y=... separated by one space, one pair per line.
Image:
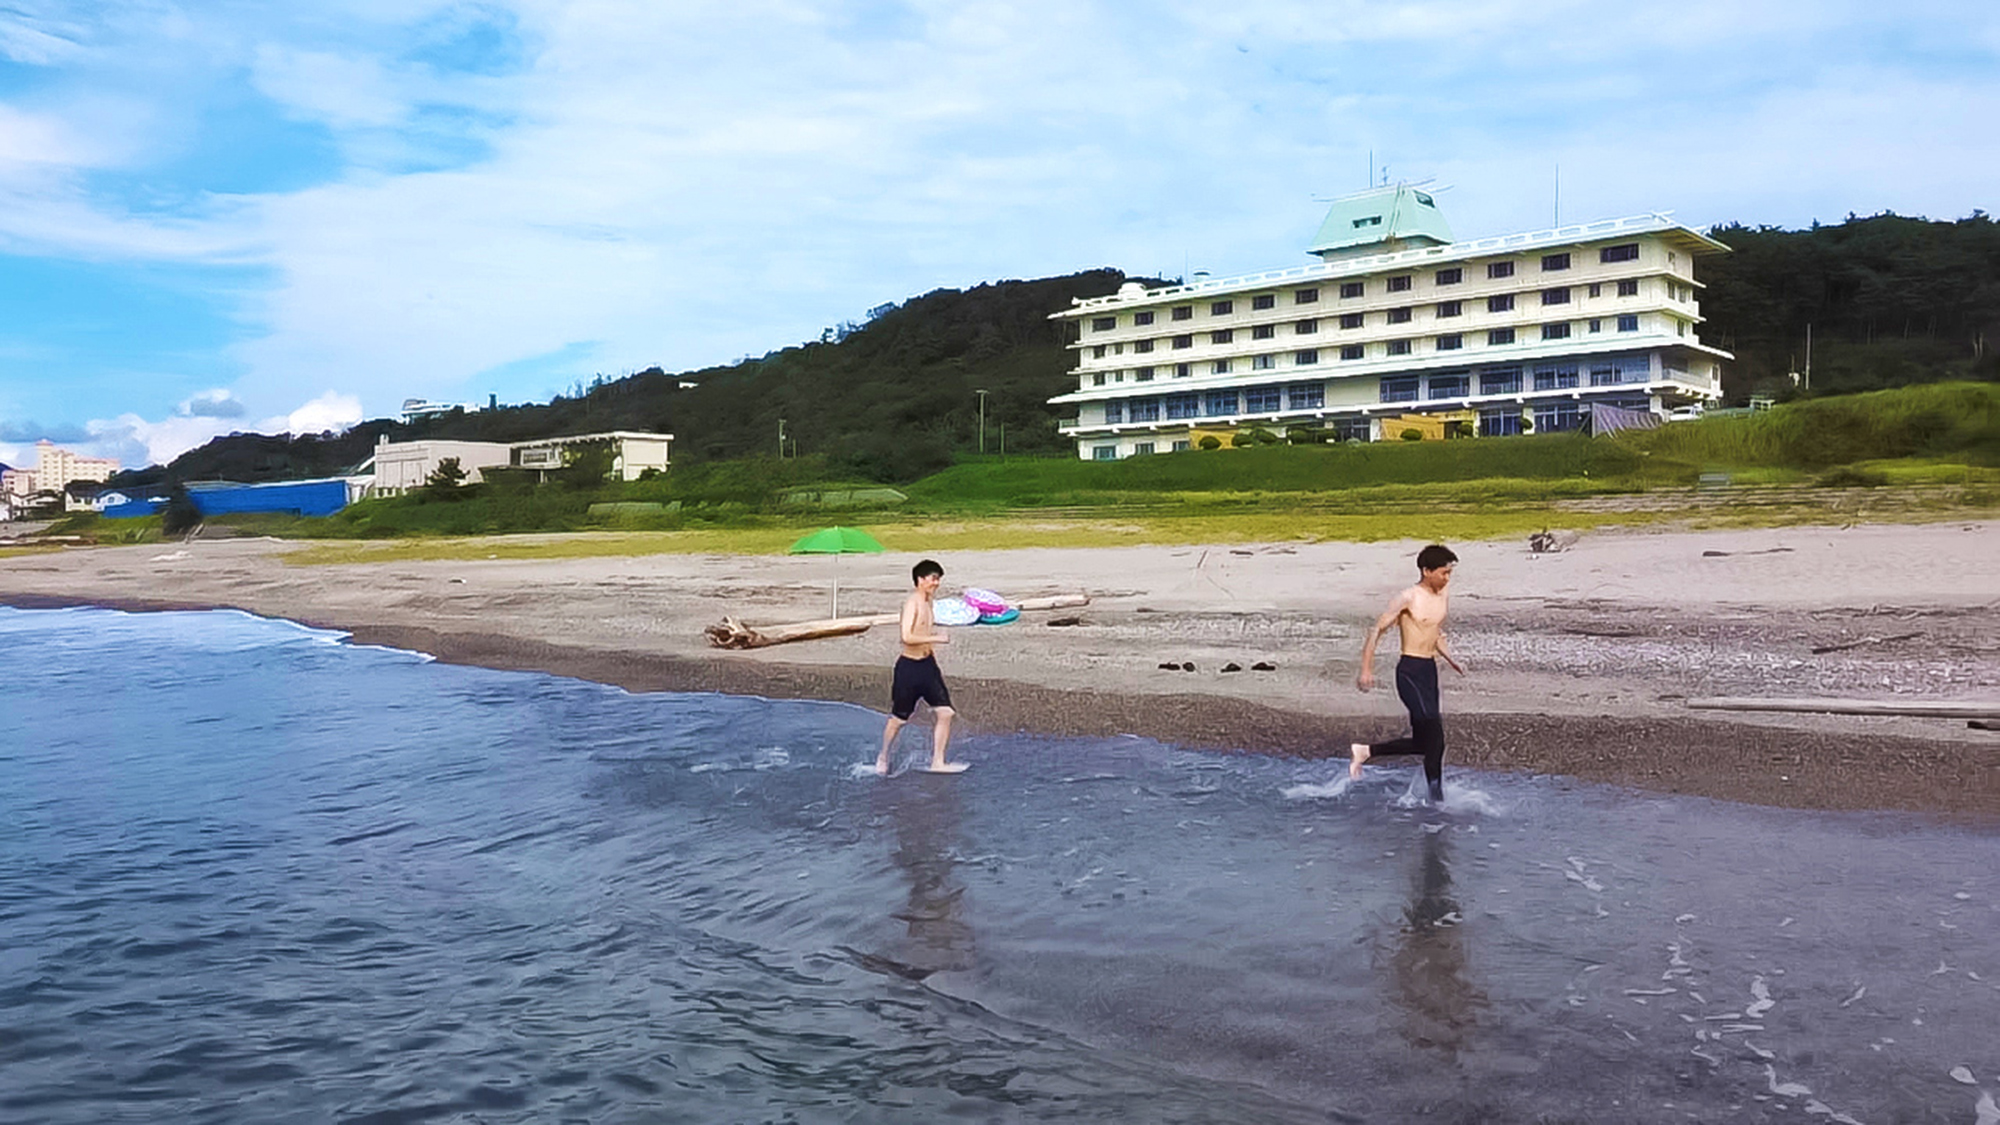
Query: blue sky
x=232 y=215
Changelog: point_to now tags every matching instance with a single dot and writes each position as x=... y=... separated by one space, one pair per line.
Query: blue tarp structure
x=299 y=497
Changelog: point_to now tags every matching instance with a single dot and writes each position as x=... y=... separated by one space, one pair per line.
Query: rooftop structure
x=55 y=468
x=1513 y=334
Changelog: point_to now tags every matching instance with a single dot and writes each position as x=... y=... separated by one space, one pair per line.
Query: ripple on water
x=267 y=877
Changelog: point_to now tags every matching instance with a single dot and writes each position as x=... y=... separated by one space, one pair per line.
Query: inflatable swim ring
x=953 y=611
x=985 y=601
x=1001 y=618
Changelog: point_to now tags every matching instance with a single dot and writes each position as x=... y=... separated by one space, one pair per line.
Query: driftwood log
x=1930 y=709
x=731 y=633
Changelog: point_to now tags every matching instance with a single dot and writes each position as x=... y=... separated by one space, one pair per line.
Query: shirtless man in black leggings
x=1418 y=614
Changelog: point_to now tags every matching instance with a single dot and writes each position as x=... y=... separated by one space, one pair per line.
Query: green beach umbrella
x=837 y=541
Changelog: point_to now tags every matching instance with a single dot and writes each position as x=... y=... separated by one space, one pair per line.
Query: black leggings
x=1417 y=686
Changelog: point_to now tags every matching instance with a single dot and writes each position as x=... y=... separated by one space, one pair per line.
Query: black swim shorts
x=917 y=679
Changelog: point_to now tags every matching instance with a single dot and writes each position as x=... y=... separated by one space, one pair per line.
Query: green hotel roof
x=1385 y=218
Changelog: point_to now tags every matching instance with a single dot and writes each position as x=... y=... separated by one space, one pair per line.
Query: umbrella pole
x=834 y=610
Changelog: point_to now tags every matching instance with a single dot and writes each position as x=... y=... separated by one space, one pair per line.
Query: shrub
x=1413 y=434
x=1209 y=441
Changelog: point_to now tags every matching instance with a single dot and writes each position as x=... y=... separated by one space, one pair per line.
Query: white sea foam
x=1334 y=789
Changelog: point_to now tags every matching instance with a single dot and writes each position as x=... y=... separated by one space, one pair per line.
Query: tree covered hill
x=1891 y=301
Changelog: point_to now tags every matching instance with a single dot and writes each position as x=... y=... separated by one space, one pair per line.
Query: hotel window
x=1142 y=319
x=1142 y=346
x=1560 y=377
x=1350 y=320
x=1401 y=390
x=1353 y=351
x=1183 y=312
x=1504 y=302
x=1114 y=412
x=1222 y=336
x=1351 y=429
x=1305 y=358
x=1182 y=407
x=1104 y=453
x=1456 y=385
x=1261 y=400
x=1263 y=362
x=1497 y=270
x=1097 y=352
x=1184 y=341
x=1306 y=327
x=1500 y=381
x=1183 y=370
x=1400 y=283
x=1097 y=379
x=1629 y=287
x=1628 y=323
x=1143 y=375
x=1499 y=423
x=1221 y=308
x=1596 y=289
x=1451 y=308
x=1499 y=336
x=1553 y=262
x=1219 y=403
x=1557 y=331
x=1596 y=325
x=1555 y=296
x=1680 y=327
x=1263 y=331
x=1142 y=448
x=1183 y=445
x=1351 y=289
x=1452 y=276
x=1399 y=347
x=1305 y=296
x=1263 y=301
x=1305 y=396
x=1220 y=367
x=1450 y=343
x=1557 y=418
x=1145 y=410
x=1626 y=253
x=1104 y=324
x=1400 y=315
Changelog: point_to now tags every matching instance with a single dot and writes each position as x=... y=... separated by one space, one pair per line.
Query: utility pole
x=1808 y=355
x=982 y=420
x=781 y=439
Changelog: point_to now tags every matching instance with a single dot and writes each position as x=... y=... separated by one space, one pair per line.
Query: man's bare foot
x=948 y=767
x=1357 y=756
x=882 y=767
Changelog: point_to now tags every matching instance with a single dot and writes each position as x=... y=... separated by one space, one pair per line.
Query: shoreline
x=1815 y=766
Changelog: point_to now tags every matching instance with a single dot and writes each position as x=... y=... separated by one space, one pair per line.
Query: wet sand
x=1581 y=661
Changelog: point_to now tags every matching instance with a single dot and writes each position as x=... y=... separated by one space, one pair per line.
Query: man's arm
x=1366 y=679
x=1446 y=653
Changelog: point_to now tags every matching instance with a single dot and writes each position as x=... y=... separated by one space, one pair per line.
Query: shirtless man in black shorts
x=917 y=676
x=1418 y=615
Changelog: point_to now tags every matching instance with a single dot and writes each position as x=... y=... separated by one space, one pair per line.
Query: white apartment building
x=55 y=467
x=1520 y=333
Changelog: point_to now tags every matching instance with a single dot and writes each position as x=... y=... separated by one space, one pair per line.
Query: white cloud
x=681 y=184
x=135 y=442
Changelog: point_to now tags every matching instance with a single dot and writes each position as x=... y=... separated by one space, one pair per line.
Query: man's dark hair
x=1434 y=556
x=924 y=569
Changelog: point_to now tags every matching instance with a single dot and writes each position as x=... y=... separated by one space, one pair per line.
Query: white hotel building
x=1520 y=333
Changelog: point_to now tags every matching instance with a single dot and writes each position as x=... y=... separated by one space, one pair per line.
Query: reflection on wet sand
x=925 y=812
x=1439 y=1004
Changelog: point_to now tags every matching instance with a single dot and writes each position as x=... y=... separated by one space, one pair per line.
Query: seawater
x=250 y=873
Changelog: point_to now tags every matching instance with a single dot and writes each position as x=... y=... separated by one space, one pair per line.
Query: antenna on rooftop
x=1558 y=215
